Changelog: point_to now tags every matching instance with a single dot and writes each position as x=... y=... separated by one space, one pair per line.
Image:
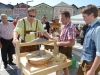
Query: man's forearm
x=15 y=35
x=69 y=43
x=0 y=45
x=96 y=63
x=47 y=35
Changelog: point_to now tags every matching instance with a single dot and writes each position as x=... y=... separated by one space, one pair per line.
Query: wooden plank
x=46 y=69
x=35 y=43
x=52 y=68
x=17 y=54
x=53 y=46
x=58 y=72
x=56 y=49
x=25 y=72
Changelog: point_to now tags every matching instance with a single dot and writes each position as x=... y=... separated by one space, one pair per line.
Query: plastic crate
x=73 y=62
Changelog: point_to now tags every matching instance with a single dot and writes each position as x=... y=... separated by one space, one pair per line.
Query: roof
x=74 y=6
x=18 y=4
x=2 y=3
x=62 y=4
x=43 y=3
x=82 y=7
x=9 y=6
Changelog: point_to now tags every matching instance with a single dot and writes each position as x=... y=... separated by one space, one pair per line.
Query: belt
x=28 y=32
x=82 y=62
x=6 y=39
x=64 y=47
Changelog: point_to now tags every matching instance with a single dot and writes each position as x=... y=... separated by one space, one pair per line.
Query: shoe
x=5 y=66
x=11 y=63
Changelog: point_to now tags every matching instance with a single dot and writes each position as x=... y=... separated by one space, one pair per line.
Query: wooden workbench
x=29 y=69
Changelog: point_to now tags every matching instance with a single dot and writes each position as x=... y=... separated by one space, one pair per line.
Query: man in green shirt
x=31 y=24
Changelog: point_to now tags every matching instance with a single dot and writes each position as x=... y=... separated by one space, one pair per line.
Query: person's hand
x=14 y=42
x=0 y=45
x=51 y=38
x=58 y=43
x=90 y=72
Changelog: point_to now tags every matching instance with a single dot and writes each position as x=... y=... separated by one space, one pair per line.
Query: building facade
x=80 y=9
x=75 y=9
x=6 y=9
x=99 y=11
x=44 y=10
x=20 y=10
x=62 y=7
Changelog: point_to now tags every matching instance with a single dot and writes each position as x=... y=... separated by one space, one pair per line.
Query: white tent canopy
x=78 y=19
x=78 y=22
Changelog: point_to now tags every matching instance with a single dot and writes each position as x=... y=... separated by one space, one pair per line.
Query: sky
x=78 y=3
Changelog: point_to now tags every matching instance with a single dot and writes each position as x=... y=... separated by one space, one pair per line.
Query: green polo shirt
x=20 y=29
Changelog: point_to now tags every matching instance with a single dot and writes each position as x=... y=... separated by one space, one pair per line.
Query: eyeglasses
x=31 y=16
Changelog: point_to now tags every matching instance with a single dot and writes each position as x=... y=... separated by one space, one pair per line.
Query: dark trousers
x=66 y=50
x=7 y=48
x=82 y=40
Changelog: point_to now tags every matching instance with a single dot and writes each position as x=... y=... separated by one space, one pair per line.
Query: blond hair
x=31 y=9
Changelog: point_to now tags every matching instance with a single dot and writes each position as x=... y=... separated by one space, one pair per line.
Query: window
x=43 y=12
x=47 y=11
x=56 y=17
x=46 y=6
x=39 y=18
x=2 y=11
x=39 y=6
x=73 y=12
x=60 y=11
x=47 y=17
x=56 y=14
x=39 y=11
x=51 y=12
x=56 y=10
x=5 y=11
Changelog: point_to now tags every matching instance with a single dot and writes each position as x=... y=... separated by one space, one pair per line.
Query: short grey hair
x=3 y=15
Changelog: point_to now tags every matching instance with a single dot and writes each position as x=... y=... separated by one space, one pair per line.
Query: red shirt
x=14 y=23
